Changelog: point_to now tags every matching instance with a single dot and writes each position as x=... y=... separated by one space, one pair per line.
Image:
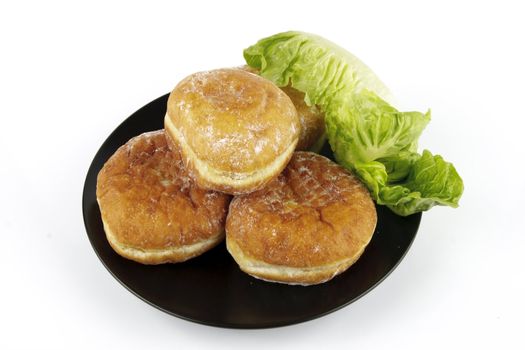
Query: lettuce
x=428 y=181
x=366 y=133
x=366 y=128
x=313 y=65
x=378 y=143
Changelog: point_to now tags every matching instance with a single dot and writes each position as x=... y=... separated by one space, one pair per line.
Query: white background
x=71 y=72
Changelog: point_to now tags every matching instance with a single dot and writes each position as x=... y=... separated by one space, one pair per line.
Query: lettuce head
x=366 y=133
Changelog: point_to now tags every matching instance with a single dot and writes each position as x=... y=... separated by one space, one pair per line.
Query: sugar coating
x=233 y=120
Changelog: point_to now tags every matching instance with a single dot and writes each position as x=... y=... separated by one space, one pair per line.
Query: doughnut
x=151 y=210
x=312 y=131
x=306 y=226
x=236 y=130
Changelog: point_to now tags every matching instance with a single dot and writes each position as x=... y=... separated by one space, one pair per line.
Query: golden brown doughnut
x=308 y=225
x=236 y=130
x=151 y=210
x=312 y=135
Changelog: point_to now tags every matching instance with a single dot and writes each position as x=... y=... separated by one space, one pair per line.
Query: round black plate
x=211 y=289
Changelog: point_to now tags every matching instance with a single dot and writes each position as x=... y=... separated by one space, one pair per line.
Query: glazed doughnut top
x=148 y=200
x=315 y=213
x=233 y=120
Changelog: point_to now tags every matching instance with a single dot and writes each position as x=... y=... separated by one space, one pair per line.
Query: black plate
x=211 y=289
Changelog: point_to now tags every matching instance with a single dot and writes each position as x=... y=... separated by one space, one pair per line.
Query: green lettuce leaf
x=322 y=70
x=374 y=176
x=367 y=128
x=430 y=181
x=398 y=167
x=366 y=133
